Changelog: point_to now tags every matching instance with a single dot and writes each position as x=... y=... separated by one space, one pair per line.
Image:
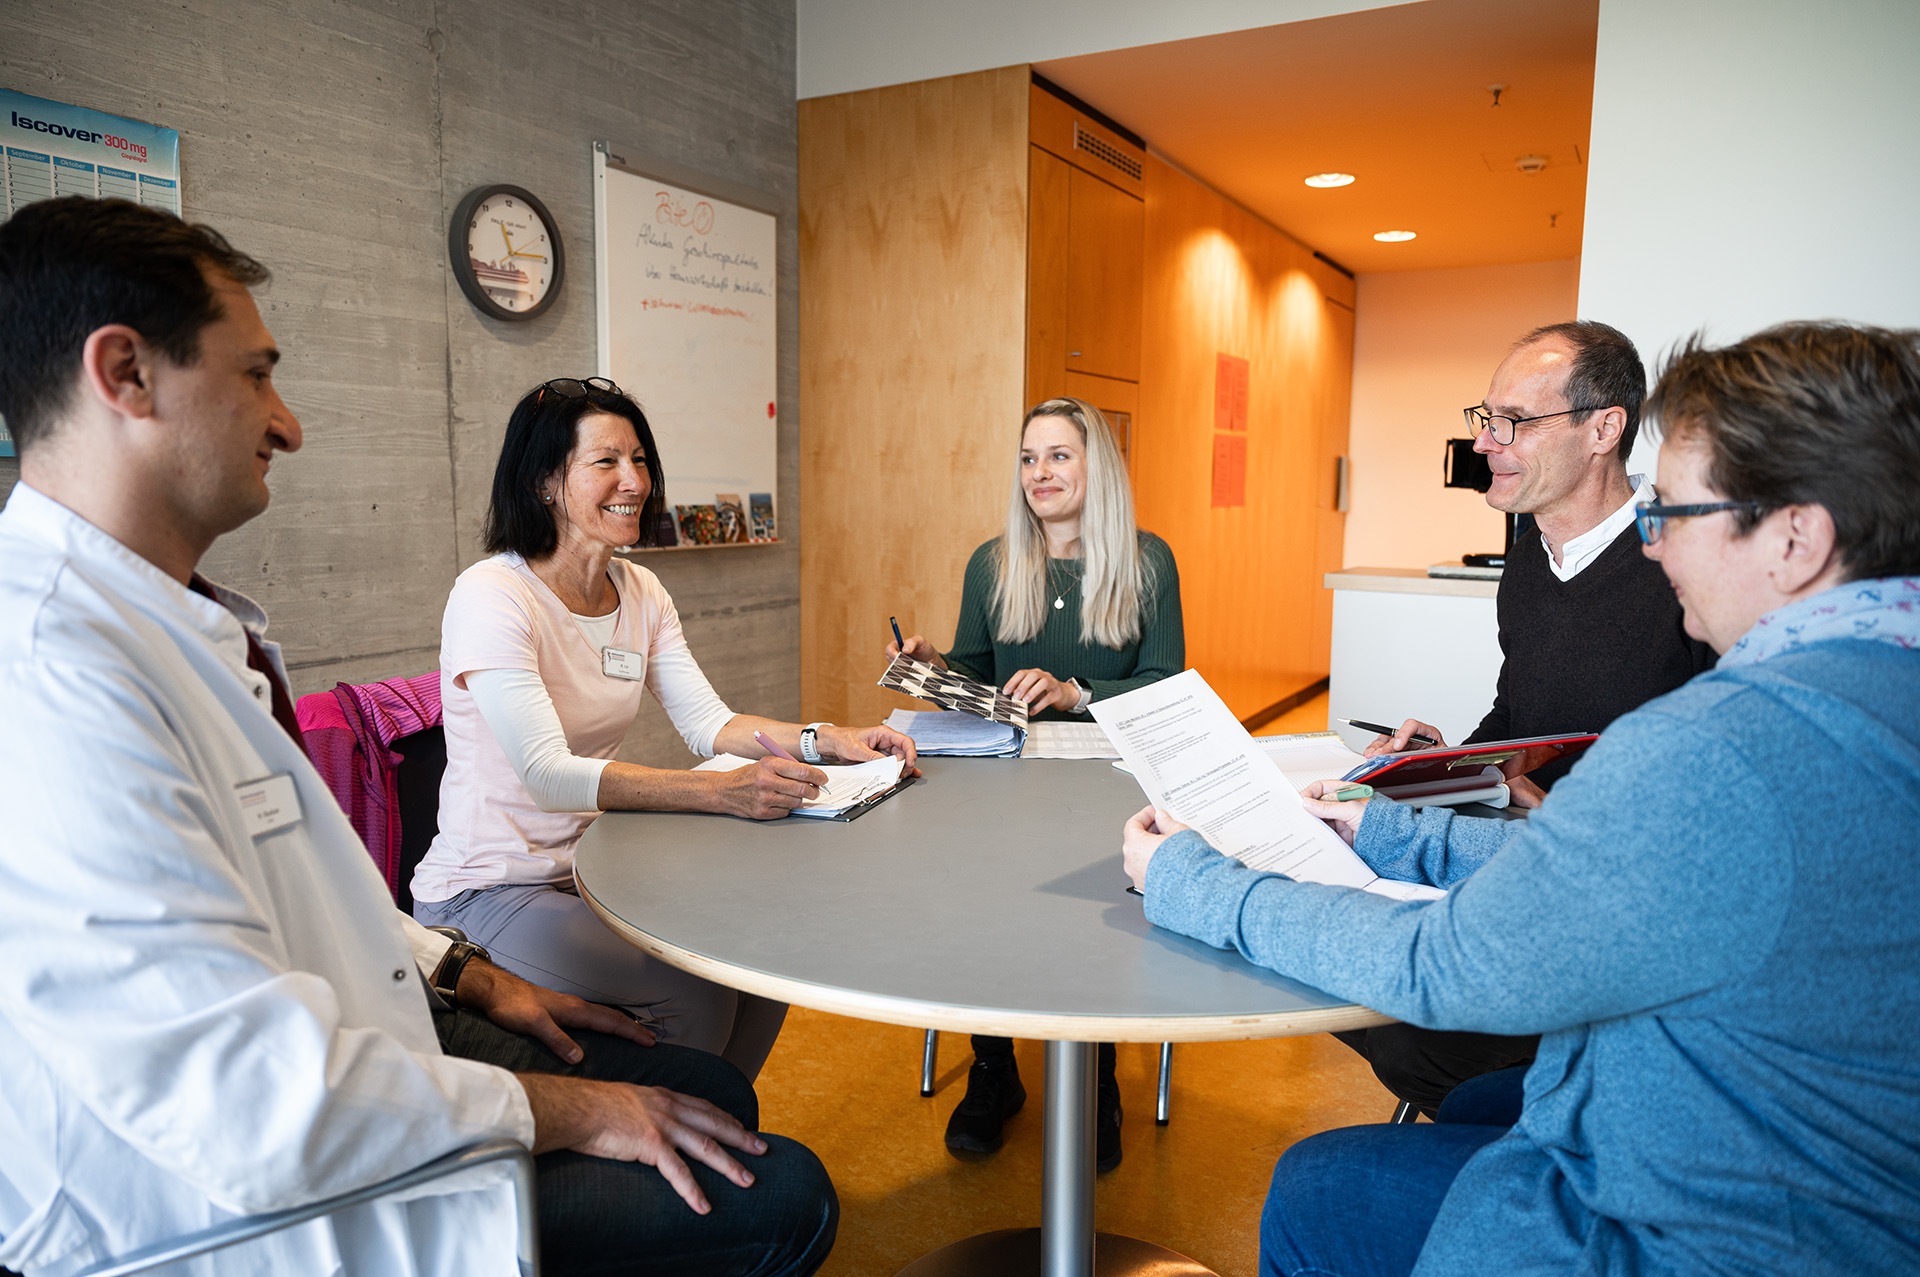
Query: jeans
x=605 y=1217
x=1358 y=1202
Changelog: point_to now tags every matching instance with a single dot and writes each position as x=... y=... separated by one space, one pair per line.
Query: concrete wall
x=1425 y=345
x=331 y=139
x=1752 y=164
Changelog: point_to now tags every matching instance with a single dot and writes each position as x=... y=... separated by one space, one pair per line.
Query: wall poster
x=50 y=148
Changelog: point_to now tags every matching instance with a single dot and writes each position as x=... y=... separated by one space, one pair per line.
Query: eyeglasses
x=1651 y=517
x=1478 y=419
x=577 y=388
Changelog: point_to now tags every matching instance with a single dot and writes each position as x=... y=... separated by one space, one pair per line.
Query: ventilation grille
x=1101 y=149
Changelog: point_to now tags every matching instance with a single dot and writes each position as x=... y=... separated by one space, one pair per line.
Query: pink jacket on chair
x=349 y=735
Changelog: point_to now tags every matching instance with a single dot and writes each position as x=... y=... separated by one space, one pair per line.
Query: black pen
x=1415 y=739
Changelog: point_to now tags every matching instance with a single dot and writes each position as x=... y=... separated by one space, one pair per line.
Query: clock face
x=506 y=252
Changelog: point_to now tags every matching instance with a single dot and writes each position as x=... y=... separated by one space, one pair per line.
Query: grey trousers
x=545 y=934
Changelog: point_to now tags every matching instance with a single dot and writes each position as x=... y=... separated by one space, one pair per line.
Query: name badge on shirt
x=268 y=805
x=615 y=663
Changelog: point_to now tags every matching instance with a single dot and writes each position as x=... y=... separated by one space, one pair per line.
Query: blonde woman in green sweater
x=1072 y=604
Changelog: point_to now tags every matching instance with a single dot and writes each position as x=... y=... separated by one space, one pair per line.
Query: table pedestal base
x=1015 y=1252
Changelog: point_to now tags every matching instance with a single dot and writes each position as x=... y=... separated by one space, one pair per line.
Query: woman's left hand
x=1145 y=831
x=863 y=744
x=1040 y=689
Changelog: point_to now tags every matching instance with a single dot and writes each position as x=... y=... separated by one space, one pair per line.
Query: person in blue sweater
x=1710 y=920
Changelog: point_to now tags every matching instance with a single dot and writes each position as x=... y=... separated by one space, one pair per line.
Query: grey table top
x=987 y=897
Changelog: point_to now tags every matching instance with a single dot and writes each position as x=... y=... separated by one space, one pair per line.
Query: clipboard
x=864 y=806
x=1426 y=773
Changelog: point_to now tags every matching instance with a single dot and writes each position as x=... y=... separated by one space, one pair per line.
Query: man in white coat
x=208 y=1004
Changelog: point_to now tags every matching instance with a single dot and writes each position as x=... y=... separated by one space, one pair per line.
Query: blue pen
x=897 y=640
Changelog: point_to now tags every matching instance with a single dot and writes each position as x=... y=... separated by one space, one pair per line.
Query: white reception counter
x=1407 y=645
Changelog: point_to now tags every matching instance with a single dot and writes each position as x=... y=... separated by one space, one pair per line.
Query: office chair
x=1163 y=1096
x=246 y=1228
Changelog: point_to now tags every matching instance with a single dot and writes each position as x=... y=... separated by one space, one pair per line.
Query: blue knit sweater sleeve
x=1428 y=844
x=1618 y=895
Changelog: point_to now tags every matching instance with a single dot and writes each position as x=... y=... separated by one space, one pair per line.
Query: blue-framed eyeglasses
x=1651 y=517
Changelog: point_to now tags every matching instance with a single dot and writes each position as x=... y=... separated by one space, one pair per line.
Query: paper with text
x=1071 y=739
x=848 y=784
x=1196 y=761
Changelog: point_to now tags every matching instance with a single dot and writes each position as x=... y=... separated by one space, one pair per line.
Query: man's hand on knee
x=520 y=1007
x=648 y=1124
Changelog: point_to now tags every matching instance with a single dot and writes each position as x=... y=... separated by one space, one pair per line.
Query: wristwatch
x=1086 y=695
x=809 y=748
x=446 y=976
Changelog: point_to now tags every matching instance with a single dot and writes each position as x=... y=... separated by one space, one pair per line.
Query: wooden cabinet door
x=1048 y=199
x=1106 y=244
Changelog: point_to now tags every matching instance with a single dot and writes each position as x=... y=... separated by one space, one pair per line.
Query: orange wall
x=1425 y=346
x=1219 y=280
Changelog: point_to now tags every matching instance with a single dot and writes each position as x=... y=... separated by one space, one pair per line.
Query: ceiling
x=1398 y=97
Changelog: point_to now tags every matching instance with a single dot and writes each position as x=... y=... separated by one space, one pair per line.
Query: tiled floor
x=850 y=1091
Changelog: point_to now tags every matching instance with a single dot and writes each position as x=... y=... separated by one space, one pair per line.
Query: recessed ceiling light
x=1394 y=237
x=1330 y=179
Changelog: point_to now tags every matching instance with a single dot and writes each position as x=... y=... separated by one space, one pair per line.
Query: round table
x=986 y=897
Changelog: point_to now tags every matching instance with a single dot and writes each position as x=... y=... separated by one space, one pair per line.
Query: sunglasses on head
x=577 y=388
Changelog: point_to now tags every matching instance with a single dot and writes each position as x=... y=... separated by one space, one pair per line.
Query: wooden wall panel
x=1104 y=244
x=1049 y=177
x=1219 y=280
x=913 y=265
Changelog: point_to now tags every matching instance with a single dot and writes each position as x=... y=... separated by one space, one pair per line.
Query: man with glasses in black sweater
x=1589 y=627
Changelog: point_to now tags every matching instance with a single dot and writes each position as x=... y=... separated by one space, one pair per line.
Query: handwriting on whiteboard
x=674 y=211
x=697 y=308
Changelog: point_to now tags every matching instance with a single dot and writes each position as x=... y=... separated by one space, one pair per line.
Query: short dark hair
x=540 y=438
x=1606 y=372
x=71 y=265
x=1810 y=414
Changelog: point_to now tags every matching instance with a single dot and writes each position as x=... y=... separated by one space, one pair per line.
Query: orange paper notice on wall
x=1229 y=470
x=1229 y=393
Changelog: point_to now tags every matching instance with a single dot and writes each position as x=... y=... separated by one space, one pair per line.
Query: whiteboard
x=687 y=300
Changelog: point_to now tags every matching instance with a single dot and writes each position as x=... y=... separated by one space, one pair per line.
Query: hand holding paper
x=1196 y=762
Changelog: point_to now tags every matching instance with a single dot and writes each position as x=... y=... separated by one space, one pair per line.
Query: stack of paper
x=955 y=731
x=1309 y=756
x=847 y=786
x=1068 y=740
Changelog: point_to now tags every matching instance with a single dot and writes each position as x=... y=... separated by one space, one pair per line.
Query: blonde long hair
x=1116 y=580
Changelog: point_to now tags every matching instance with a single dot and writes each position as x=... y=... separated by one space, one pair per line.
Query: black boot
x=1106 y=1115
x=994 y=1094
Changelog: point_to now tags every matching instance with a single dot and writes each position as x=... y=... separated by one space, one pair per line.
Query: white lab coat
x=195 y=1022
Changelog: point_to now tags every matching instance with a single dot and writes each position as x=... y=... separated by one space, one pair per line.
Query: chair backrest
x=423 y=759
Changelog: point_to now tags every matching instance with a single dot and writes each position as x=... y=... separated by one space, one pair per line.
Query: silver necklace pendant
x=1058 y=603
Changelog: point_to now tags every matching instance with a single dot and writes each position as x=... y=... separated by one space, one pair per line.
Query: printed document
x=1070 y=739
x=1196 y=761
x=847 y=785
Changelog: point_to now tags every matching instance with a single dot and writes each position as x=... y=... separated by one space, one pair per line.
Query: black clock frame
x=461 y=261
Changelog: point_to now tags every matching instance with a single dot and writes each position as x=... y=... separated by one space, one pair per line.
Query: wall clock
x=506 y=252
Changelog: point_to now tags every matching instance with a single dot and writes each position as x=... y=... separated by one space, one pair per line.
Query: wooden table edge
x=1036 y=1025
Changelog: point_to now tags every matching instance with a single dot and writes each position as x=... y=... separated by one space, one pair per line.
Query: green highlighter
x=1350 y=793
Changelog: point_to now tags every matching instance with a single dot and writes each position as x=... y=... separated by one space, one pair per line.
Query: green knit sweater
x=1160 y=651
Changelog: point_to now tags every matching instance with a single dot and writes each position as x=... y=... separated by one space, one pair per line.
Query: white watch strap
x=809 y=746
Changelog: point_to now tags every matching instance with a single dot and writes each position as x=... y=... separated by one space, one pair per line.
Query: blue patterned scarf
x=1886 y=610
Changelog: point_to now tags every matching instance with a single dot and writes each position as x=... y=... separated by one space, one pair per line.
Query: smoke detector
x=1531 y=164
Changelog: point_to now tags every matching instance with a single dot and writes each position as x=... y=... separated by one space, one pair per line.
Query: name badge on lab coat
x=268 y=805
x=615 y=663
